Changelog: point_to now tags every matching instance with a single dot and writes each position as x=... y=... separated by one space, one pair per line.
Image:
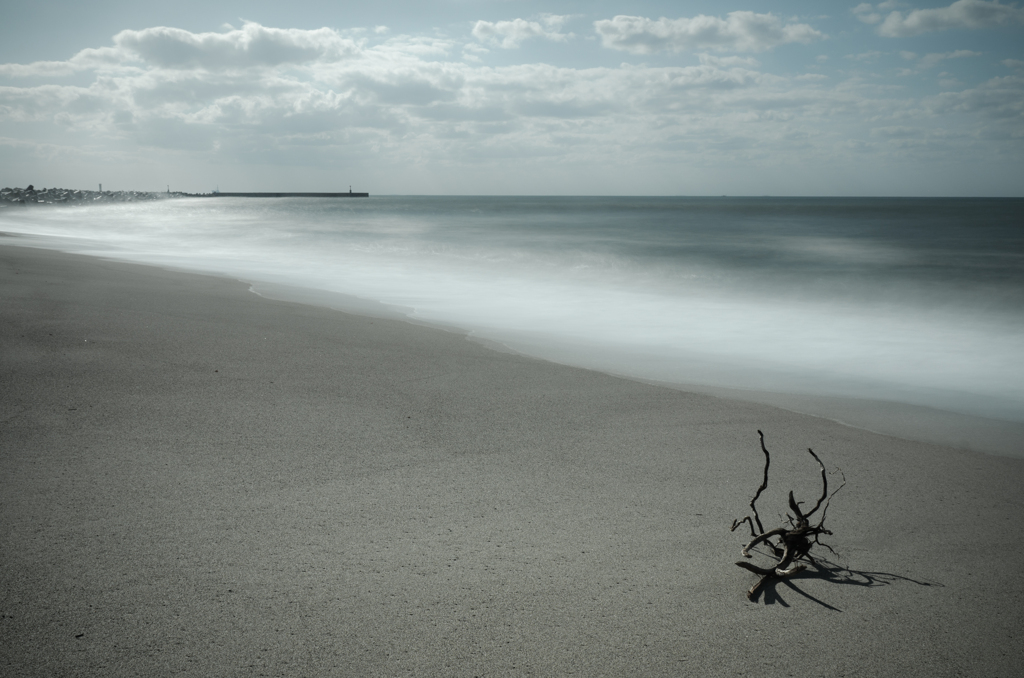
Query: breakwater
x=350 y=194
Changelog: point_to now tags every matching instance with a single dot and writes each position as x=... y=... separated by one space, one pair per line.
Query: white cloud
x=87 y=59
x=472 y=52
x=999 y=98
x=252 y=45
x=728 y=62
x=931 y=60
x=511 y=34
x=866 y=56
x=420 y=46
x=872 y=14
x=413 y=102
x=159 y=83
x=739 y=32
x=961 y=14
x=866 y=13
x=43 y=69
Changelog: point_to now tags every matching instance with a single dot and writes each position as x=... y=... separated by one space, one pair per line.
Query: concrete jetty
x=350 y=194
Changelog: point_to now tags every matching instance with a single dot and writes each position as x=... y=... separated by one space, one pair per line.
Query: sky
x=516 y=97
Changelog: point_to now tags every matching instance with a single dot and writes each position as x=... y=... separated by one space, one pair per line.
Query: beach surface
x=196 y=480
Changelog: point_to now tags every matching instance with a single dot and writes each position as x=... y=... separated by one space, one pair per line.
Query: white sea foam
x=636 y=293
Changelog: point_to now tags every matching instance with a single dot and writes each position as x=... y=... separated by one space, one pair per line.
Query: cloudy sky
x=646 y=97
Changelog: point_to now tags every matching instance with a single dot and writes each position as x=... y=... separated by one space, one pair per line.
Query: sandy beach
x=196 y=480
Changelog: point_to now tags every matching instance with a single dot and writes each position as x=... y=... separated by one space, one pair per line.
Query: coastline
x=949 y=378
x=199 y=480
x=903 y=420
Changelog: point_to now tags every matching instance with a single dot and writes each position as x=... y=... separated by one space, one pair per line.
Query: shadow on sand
x=833 y=573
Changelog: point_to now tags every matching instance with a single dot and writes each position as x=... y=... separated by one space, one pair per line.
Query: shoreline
x=973 y=433
x=910 y=421
x=947 y=394
x=201 y=481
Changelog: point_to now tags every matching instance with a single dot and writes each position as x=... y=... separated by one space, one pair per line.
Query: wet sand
x=195 y=480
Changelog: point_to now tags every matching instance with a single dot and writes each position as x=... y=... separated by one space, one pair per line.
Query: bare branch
x=796 y=509
x=766 y=575
x=824 y=483
x=796 y=569
x=764 y=483
x=746 y=519
x=764 y=572
x=795 y=541
x=760 y=538
x=829 y=501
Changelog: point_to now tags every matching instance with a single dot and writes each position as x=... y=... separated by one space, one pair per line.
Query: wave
x=916 y=301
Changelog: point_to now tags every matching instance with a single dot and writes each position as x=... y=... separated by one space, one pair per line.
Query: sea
x=902 y=315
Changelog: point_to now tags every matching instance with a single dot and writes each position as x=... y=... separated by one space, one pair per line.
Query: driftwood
x=787 y=544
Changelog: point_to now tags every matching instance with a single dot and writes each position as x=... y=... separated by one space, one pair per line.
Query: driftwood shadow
x=790 y=547
x=833 y=573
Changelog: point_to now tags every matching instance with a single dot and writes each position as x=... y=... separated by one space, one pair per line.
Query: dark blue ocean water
x=913 y=300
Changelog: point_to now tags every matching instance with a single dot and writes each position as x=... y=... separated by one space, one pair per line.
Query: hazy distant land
x=62 y=196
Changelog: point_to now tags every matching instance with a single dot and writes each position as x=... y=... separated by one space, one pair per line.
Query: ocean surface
x=913 y=301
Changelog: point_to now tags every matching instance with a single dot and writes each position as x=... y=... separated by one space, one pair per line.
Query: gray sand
x=197 y=480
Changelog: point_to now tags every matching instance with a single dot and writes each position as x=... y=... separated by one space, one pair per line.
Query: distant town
x=30 y=195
